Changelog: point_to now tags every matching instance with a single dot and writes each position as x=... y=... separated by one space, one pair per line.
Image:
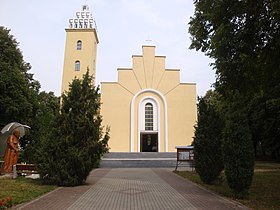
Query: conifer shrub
x=77 y=142
x=238 y=149
x=207 y=142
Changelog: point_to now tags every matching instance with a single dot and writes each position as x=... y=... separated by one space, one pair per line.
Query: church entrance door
x=149 y=142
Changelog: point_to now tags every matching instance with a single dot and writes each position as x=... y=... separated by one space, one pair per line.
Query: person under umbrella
x=11 y=152
x=9 y=145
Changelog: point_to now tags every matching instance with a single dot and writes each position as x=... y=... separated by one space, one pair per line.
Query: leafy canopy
x=17 y=86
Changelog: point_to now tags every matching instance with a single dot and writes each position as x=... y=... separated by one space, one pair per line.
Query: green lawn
x=264 y=192
x=22 y=190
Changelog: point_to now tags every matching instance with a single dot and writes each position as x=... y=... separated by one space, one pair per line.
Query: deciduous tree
x=17 y=86
x=242 y=37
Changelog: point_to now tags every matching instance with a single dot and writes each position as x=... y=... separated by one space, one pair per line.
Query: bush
x=207 y=141
x=76 y=143
x=238 y=149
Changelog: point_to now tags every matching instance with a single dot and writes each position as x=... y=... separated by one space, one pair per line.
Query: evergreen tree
x=238 y=148
x=77 y=141
x=271 y=134
x=208 y=139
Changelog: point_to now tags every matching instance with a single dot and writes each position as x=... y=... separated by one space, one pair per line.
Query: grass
x=264 y=192
x=262 y=165
x=22 y=189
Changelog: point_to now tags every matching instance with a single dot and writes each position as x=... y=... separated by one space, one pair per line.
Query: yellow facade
x=148 y=109
x=80 y=48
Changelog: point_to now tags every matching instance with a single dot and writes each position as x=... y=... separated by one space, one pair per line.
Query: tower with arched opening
x=80 y=47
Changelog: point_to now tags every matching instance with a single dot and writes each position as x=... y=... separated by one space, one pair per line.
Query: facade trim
x=132 y=117
x=141 y=119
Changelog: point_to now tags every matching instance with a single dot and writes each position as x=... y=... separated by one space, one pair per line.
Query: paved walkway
x=132 y=189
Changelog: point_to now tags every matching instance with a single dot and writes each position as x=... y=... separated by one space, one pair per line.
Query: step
x=139 y=160
x=140 y=155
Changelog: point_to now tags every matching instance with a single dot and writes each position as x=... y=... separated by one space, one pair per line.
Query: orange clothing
x=11 y=153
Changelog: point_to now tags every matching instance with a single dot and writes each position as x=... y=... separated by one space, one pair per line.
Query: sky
x=123 y=26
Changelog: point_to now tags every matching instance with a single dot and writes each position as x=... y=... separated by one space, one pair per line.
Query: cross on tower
x=148 y=40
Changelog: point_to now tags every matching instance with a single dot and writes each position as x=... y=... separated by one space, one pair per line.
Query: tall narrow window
x=77 y=66
x=149 y=117
x=79 y=45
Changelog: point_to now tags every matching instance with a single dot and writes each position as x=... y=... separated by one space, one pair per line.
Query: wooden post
x=1 y=167
x=14 y=171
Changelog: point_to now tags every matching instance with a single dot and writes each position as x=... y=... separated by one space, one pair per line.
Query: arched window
x=79 y=45
x=77 y=66
x=149 y=117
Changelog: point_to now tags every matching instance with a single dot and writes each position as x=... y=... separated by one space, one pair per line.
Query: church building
x=147 y=109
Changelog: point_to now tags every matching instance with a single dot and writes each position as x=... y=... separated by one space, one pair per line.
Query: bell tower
x=80 y=47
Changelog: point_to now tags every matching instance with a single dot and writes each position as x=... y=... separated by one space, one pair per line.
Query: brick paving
x=198 y=196
x=63 y=197
x=132 y=189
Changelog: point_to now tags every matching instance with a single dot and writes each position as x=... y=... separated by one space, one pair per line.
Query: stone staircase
x=139 y=160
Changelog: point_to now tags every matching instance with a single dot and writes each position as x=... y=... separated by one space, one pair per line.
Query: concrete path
x=132 y=189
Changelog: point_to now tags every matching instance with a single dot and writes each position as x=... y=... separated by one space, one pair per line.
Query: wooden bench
x=24 y=169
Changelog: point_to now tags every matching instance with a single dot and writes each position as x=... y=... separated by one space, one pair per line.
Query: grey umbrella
x=7 y=131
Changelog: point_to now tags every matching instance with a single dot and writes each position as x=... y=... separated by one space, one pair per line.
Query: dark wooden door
x=149 y=142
